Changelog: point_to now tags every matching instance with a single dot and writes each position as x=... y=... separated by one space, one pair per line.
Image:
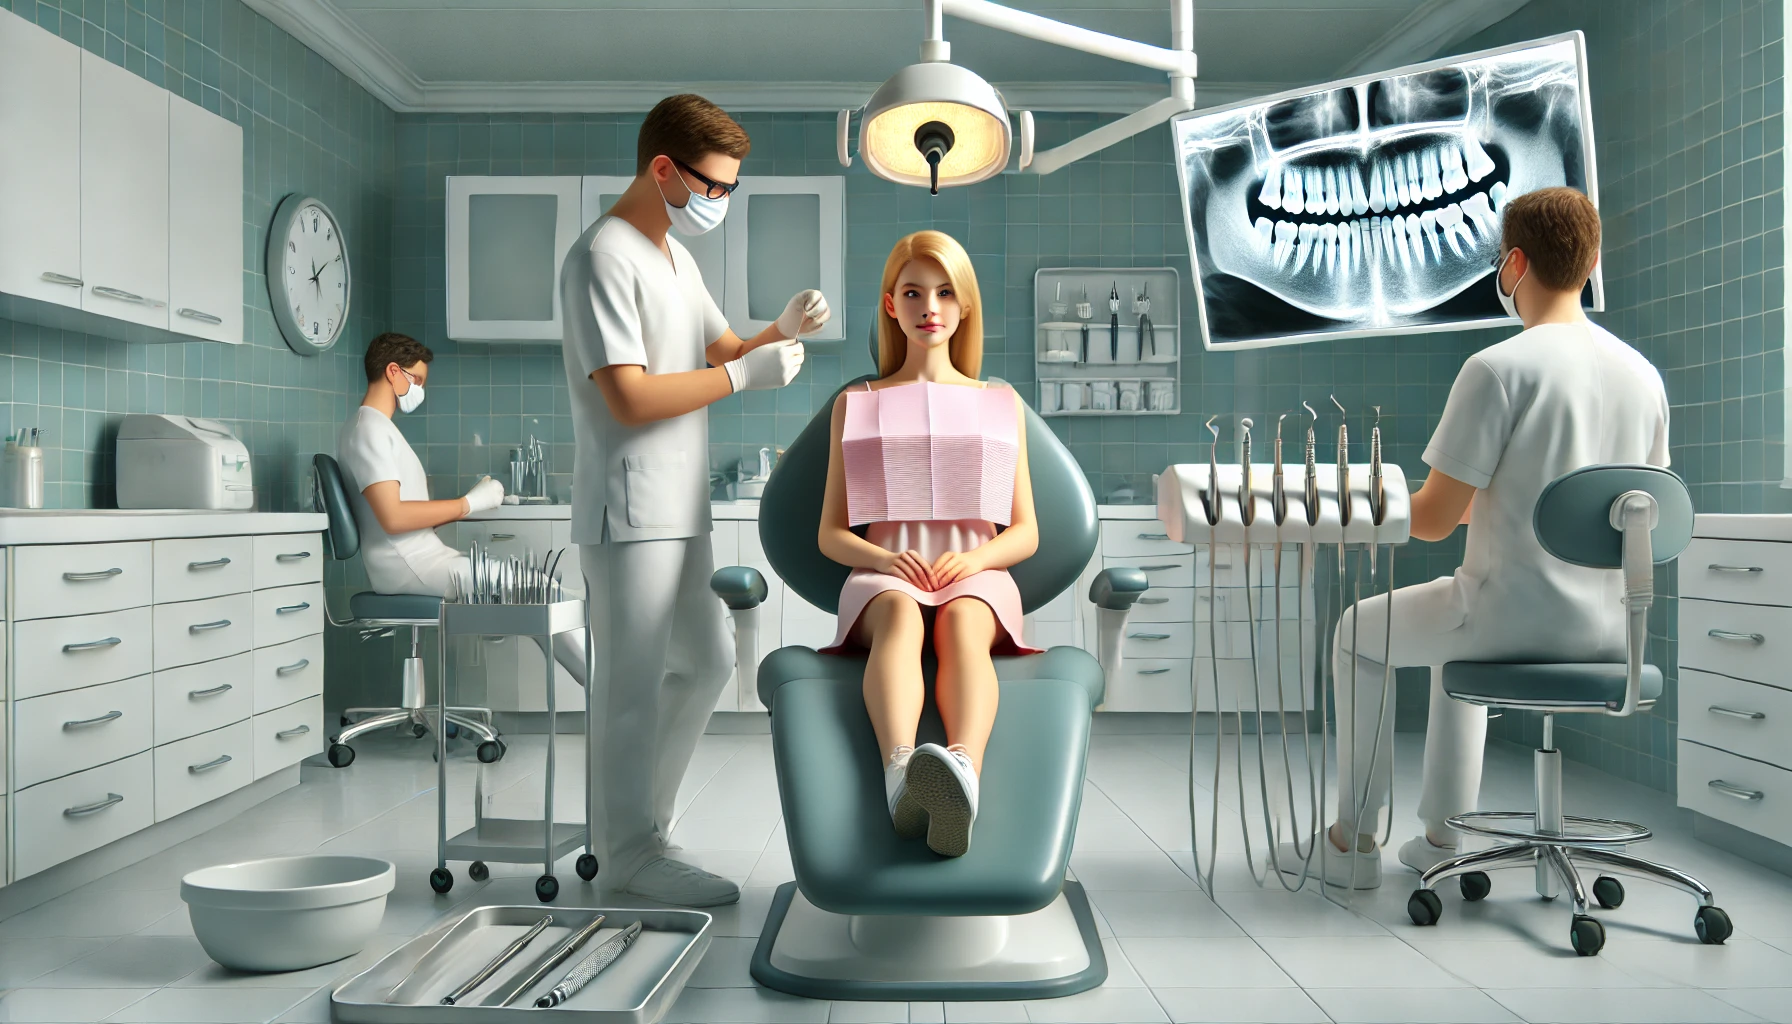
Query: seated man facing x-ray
x=390 y=492
x=1562 y=395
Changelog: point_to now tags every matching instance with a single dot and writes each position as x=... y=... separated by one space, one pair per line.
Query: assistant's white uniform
x=1556 y=398
x=641 y=520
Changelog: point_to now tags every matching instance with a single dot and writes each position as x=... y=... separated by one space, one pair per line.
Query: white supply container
x=287 y=913
x=22 y=477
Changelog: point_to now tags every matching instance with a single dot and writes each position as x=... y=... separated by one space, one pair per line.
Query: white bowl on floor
x=287 y=913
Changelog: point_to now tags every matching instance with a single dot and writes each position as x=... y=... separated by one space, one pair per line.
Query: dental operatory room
x=1324 y=560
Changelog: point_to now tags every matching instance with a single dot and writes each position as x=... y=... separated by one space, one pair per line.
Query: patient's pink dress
x=930 y=468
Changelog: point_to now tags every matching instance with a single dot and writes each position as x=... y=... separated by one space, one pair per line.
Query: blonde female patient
x=932 y=463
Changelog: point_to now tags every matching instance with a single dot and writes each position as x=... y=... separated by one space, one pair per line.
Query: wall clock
x=308 y=274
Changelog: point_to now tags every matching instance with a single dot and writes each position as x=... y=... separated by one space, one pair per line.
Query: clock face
x=308 y=274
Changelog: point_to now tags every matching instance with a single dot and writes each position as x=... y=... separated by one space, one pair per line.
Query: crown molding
x=1428 y=31
x=322 y=27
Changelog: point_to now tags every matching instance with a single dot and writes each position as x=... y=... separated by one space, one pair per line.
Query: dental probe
x=1247 y=504
x=1279 y=494
x=1312 y=489
x=1212 y=498
x=1377 y=494
x=1344 y=501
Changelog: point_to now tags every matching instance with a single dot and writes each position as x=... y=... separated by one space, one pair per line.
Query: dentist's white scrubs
x=641 y=520
x=1556 y=398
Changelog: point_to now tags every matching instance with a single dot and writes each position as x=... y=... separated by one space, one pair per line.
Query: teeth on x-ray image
x=1372 y=205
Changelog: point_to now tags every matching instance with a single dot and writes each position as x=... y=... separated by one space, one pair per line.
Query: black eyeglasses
x=713 y=189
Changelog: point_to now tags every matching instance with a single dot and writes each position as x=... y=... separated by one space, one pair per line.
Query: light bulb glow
x=940 y=92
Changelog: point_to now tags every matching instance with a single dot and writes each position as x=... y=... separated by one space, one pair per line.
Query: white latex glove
x=486 y=495
x=806 y=312
x=766 y=367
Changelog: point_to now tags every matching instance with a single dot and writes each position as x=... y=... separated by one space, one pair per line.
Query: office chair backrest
x=344 y=537
x=1573 y=515
x=790 y=516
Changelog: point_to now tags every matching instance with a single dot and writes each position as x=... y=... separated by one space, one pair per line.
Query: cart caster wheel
x=1475 y=885
x=341 y=755
x=478 y=872
x=453 y=730
x=342 y=720
x=1587 y=936
x=1712 y=925
x=546 y=888
x=1609 y=892
x=419 y=730
x=441 y=880
x=586 y=866
x=489 y=751
x=1424 y=907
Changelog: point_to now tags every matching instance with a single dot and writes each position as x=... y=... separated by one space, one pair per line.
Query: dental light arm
x=1634 y=514
x=1113 y=592
x=742 y=588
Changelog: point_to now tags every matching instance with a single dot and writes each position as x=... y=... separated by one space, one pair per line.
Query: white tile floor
x=121 y=949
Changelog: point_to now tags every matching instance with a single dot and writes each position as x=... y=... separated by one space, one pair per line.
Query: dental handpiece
x=1343 y=465
x=1312 y=483
x=1278 y=492
x=1212 y=498
x=1377 y=493
x=1247 y=505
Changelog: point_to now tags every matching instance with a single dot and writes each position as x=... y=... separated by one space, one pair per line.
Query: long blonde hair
x=966 y=346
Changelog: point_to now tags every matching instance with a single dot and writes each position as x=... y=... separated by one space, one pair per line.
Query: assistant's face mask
x=1507 y=302
x=699 y=214
x=410 y=400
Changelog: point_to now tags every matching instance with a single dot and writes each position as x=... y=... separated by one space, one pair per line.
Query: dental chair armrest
x=742 y=588
x=1113 y=593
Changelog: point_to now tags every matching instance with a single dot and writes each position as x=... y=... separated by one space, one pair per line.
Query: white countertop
x=89 y=526
x=748 y=509
x=1743 y=526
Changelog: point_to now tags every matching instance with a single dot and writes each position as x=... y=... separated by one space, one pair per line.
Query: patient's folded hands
x=953 y=566
x=911 y=568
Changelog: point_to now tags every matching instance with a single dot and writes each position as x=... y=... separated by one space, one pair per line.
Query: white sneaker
x=1421 y=854
x=905 y=813
x=1335 y=866
x=665 y=880
x=944 y=785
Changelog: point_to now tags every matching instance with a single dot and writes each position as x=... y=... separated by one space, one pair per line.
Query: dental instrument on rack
x=1142 y=306
x=512 y=580
x=1085 y=312
x=1114 y=322
x=593 y=965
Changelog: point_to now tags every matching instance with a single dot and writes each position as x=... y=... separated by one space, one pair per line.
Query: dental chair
x=873 y=916
x=1604 y=517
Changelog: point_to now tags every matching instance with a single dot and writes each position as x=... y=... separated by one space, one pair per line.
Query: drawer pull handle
x=123 y=296
x=200 y=627
x=1753 y=716
x=1154 y=536
x=217 y=762
x=292 y=556
x=294 y=667
x=1153 y=600
x=213 y=692
x=1724 y=634
x=1731 y=789
x=216 y=563
x=288 y=609
x=200 y=315
x=1153 y=671
x=1160 y=568
x=503 y=536
x=85 y=577
x=84 y=723
x=91 y=645
x=62 y=279
x=1714 y=567
x=92 y=808
x=297 y=730
x=1148 y=636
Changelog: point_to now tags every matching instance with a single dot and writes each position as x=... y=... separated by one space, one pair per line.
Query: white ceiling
x=828 y=54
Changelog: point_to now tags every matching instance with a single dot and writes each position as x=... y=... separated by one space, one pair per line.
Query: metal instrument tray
x=639 y=988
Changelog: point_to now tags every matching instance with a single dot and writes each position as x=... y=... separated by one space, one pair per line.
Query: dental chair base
x=810 y=952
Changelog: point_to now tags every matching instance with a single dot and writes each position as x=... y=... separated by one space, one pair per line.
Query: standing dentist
x=646 y=353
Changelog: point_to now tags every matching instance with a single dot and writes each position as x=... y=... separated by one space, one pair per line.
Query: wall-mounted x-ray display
x=1371 y=205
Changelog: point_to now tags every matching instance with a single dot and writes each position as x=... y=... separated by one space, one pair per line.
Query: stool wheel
x=418 y=730
x=1587 y=935
x=478 y=872
x=1424 y=907
x=546 y=888
x=1475 y=885
x=341 y=755
x=342 y=720
x=488 y=751
x=441 y=880
x=453 y=730
x=586 y=866
x=1712 y=925
x=1609 y=892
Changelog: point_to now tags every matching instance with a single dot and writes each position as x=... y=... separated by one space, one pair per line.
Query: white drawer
x=505 y=538
x=1749 y=641
x=1159 y=640
x=65 y=818
x=81 y=650
x=1751 y=719
x=198 y=567
x=1150 y=684
x=282 y=559
x=1165 y=570
x=79 y=579
x=200 y=698
x=287 y=613
x=193 y=631
x=288 y=735
x=1138 y=537
x=202 y=768
x=74 y=730
x=1752 y=571
x=288 y=672
x=5 y=716
x=1167 y=604
x=1748 y=794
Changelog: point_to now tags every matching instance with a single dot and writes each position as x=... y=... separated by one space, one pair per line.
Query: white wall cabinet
x=506 y=238
x=785 y=234
x=40 y=199
x=205 y=224
x=124 y=194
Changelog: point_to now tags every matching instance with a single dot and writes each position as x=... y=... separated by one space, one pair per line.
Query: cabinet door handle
x=1753 y=716
x=1731 y=789
x=85 y=577
x=91 y=645
x=199 y=315
x=217 y=762
x=1153 y=671
x=213 y=692
x=92 y=808
x=292 y=556
x=503 y=536
x=1724 y=634
x=1154 y=536
x=297 y=730
x=1160 y=568
x=123 y=296
x=288 y=609
x=110 y=716
x=294 y=667
x=1148 y=636
x=62 y=279
x=1153 y=600
x=216 y=563
x=1714 y=567
x=200 y=627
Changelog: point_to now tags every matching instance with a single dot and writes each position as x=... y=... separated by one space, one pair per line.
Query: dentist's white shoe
x=665 y=880
x=1421 y=854
x=1334 y=865
x=905 y=813
x=944 y=784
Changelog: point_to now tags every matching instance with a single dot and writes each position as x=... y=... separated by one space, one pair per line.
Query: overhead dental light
x=937 y=124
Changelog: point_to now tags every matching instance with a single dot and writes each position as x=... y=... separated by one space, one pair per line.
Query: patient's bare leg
x=891 y=628
x=966 y=690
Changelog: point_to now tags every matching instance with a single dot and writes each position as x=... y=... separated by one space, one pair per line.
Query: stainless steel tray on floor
x=638 y=989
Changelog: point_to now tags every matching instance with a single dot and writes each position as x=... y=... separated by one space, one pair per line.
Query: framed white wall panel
x=124 y=194
x=40 y=161
x=785 y=234
x=205 y=224
x=506 y=238
x=709 y=250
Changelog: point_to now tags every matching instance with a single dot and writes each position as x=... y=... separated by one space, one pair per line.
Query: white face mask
x=699 y=214
x=1508 y=302
x=410 y=400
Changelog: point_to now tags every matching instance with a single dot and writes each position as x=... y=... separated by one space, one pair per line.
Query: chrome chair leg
x=1624 y=863
x=1509 y=856
x=1564 y=870
x=366 y=725
x=480 y=729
